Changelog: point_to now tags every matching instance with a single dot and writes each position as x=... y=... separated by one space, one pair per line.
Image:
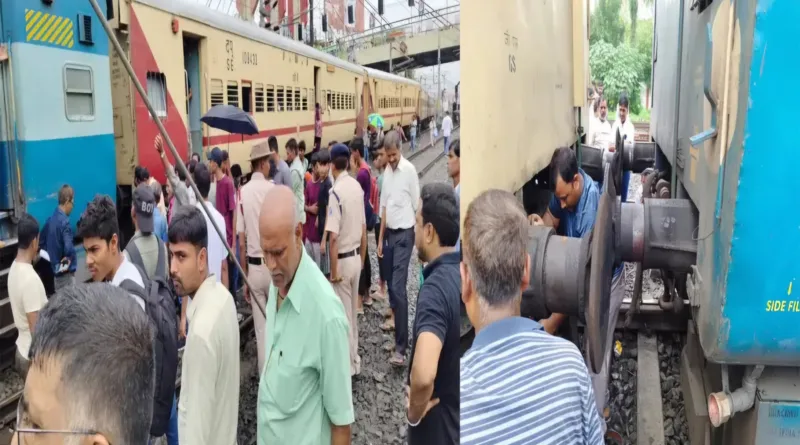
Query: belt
x=347 y=254
x=398 y=230
x=255 y=261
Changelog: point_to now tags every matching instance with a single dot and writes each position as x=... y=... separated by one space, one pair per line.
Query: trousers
x=401 y=244
x=347 y=291
x=260 y=279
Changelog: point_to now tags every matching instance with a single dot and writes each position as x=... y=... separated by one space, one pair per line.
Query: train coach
x=69 y=113
x=191 y=58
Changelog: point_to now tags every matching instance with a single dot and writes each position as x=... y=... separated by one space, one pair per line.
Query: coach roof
x=226 y=23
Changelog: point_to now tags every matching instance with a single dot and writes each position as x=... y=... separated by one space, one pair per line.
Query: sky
x=394 y=10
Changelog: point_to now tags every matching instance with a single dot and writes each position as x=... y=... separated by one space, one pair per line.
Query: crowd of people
x=299 y=225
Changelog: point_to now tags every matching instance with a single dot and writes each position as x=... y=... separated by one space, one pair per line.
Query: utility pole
x=311 y=22
x=439 y=75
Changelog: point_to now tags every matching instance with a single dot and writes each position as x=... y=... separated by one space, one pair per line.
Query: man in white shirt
x=601 y=134
x=25 y=289
x=208 y=409
x=99 y=230
x=216 y=253
x=399 y=202
x=627 y=132
x=447 y=129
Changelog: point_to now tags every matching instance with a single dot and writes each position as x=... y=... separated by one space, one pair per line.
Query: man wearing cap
x=145 y=247
x=225 y=202
x=347 y=232
x=251 y=256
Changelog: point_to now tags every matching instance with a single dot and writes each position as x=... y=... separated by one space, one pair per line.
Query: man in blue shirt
x=572 y=213
x=56 y=238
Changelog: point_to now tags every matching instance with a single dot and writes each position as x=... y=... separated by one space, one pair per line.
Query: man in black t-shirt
x=433 y=391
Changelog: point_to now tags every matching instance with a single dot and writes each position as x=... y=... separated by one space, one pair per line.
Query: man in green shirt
x=304 y=394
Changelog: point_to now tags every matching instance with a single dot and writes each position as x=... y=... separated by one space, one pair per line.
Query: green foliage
x=606 y=23
x=644 y=46
x=620 y=51
x=619 y=68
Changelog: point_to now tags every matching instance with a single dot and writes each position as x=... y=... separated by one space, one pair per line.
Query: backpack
x=159 y=305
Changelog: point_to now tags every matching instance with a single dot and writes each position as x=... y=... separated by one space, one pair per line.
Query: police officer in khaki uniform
x=346 y=227
x=251 y=197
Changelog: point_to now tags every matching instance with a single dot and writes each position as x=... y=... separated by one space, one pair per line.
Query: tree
x=619 y=68
x=606 y=23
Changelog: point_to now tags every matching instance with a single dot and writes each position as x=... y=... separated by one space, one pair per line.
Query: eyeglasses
x=23 y=421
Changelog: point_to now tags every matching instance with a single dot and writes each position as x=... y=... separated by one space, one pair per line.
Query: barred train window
x=280 y=99
x=297 y=103
x=79 y=92
x=328 y=97
x=233 y=93
x=157 y=92
x=217 y=92
x=305 y=98
x=288 y=99
x=259 y=96
x=270 y=98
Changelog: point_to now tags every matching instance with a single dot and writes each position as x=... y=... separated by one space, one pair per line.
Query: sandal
x=397 y=360
x=388 y=347
x=360 y=311
x=367 y=301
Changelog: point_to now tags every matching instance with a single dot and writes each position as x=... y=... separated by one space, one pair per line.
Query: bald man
x=304 y=395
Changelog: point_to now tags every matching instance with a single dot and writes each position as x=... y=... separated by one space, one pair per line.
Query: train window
x=297 y=102
x=305 y=99
x=328 y=97
x=233 y=93
x=217 y=92
x=288 y=99
x=259 y=98
x=280 y=99
x=311 y=97
x=270 y=98
x=157 y=92
x=79 y=92
x=247 y=97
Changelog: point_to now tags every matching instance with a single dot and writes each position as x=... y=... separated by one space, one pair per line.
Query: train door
x=194 y=92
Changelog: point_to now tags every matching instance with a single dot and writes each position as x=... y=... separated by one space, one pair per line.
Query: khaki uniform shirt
x=346 y=212
x=248 y=209
x=208 y=411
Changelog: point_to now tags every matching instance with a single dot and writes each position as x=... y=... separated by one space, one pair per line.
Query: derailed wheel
x=601 y=268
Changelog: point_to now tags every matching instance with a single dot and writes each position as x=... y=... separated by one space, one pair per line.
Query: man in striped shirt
x=519 y=384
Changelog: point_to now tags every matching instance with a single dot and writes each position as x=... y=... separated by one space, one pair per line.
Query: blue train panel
x=749 y=256
x=62 y=118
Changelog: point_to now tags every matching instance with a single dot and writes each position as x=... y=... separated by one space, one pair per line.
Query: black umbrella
x=231 y=119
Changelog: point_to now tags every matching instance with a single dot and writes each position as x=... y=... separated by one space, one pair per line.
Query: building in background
x=291 y=18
